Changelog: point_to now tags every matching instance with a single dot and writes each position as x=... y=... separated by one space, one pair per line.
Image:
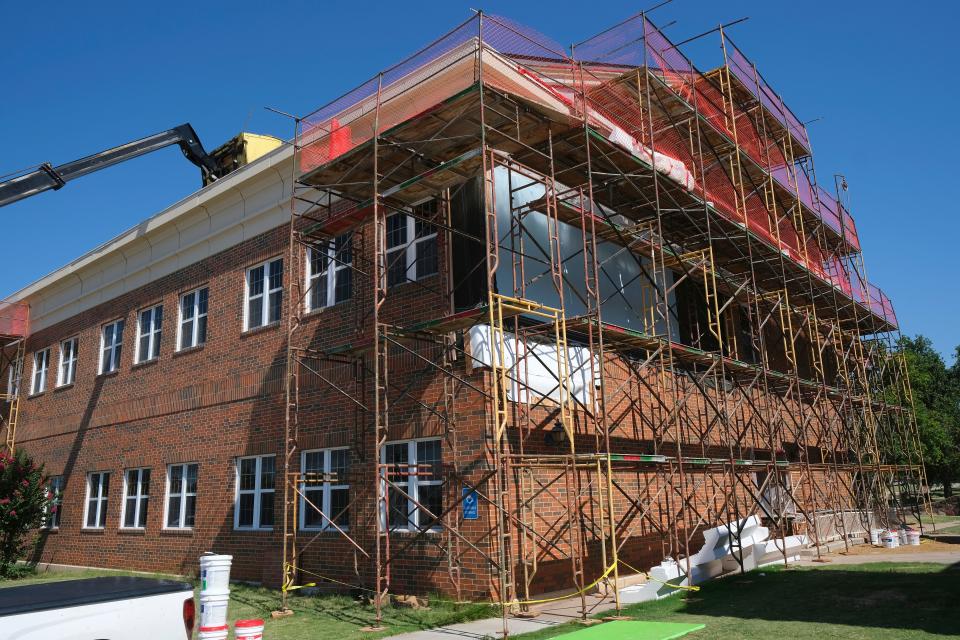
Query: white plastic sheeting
x=533 y=367
x=722 y=552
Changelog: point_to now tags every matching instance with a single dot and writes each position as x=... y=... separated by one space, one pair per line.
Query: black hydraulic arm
x=49 y=177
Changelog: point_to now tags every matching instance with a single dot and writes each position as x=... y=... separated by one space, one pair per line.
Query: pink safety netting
x=14 y=319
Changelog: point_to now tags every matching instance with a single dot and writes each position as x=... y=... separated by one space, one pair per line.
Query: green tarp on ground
x=634 y=630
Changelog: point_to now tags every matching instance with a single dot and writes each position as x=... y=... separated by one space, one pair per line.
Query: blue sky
x=81 y=77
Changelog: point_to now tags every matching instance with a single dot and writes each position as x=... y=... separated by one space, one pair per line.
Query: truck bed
x=74 y=593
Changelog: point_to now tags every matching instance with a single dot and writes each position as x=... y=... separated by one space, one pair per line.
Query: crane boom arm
x=47 y=177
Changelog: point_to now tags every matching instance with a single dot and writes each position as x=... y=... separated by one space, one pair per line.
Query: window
x=264 y=294
x=67 y=371
x=136 y=497
x=111 y=344
x=193 y=319
x=414 y=468
x=41 y=363
x=98 y=486
x=330 y=273
x=13 y=377
x=411 y=247
x=326 y=487
x=255 y=487
x=148 y=333
x=181 y=496
x=55 y=491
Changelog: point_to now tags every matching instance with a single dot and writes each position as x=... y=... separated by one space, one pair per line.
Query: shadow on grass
x=920 y=597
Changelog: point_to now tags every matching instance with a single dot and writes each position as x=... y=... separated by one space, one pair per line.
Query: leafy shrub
x=24 y=500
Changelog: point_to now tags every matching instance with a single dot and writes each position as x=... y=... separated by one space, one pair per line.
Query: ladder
x=10 y=410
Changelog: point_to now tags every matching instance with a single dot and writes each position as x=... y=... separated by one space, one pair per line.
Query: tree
x=936 y=395
x=24 y=500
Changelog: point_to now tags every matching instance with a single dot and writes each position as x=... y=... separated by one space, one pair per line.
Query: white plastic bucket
x=913 y=538
x=215 y=574
x=213 y=609
x=904 y=539
x=875 y=536
x=248 y=629
x=213 y=633
x=890 y=539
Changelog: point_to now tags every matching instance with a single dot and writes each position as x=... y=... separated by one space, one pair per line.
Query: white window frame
x=153 y=334
x=410 y=249
x=257 y=492
x=413 y=483
x=194 y=320
x=55 y=486
x=141 y=499
x=181 y=493
x=14 y=377
x=67 y=368
x=115 y=348
x=41 y=366
x=326 y=490
x=100 y=499
x=268 y=271
x=323 y=277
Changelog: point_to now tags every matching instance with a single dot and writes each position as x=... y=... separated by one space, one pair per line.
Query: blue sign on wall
x=470 y=510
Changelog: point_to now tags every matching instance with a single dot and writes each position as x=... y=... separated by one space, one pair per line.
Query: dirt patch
x=925 y=546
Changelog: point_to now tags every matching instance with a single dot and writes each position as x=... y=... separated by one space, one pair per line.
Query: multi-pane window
x=192 y=328
x=13 y=377
x=111 y=345
x=414 y=468
x=255 y=490
x=330 y=273
x=55 y=491
x=95 y=513
x=136 y=498
x=41 y=364
x=67 y=371
x=148 y=333
x=181 y=496
x=325 y=489
x=264 y=294
x=411 y=247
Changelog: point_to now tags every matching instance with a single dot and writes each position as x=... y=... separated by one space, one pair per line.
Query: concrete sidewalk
x=550 y=615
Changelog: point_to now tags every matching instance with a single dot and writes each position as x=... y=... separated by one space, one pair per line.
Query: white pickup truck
x=113 y=608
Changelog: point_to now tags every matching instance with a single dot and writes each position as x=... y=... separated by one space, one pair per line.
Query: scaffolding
x=14 y=328
x=640 y=317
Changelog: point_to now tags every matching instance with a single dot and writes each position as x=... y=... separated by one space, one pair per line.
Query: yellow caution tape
x=669 y=584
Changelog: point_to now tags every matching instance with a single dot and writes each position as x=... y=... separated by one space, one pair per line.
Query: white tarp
x=533 y=366
x=719 y=554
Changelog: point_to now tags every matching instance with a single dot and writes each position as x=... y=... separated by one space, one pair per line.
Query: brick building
x=557 y=313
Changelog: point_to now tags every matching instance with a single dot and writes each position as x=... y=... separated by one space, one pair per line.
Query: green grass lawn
x=323 y=617
x=870 y=601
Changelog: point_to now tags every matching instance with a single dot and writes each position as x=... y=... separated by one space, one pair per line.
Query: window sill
x=252 y=530
x=171 y=531
x=63 y=387
x=261 y=329
x=132 y=531
x=414 y=532
x=109 y=374
x=145 y=363
x=48 y=530
x=93 y=530
x=35 y=395
x=188 y=350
